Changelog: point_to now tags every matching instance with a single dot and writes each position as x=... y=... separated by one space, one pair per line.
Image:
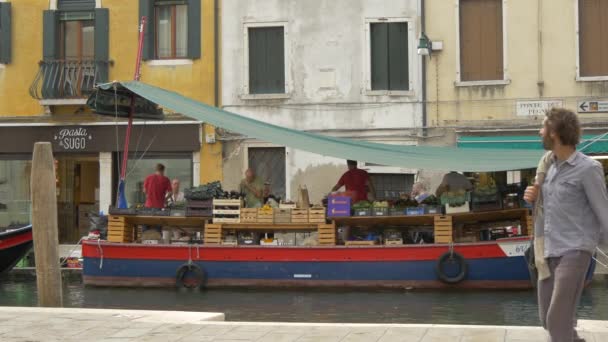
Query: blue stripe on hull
x=513 y=268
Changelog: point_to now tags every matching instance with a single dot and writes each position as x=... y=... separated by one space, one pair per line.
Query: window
x=15 y=205
x=593 y=38
x=481 y=40
x=269 y=165
x=389 y=56
x=5 y=32
x=171 y=30
x=77 y=39
x=266 y=61
x=177 y=166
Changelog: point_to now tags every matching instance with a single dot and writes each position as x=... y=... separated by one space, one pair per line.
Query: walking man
x=573 y=201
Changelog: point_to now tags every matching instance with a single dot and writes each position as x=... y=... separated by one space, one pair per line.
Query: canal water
x=440 y=307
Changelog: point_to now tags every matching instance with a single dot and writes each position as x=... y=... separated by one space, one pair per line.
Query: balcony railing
x=68 y=79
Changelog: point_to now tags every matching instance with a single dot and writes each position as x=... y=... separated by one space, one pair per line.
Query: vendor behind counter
x=356 y=181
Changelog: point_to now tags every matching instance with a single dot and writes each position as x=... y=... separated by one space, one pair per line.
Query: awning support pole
x=136 y=77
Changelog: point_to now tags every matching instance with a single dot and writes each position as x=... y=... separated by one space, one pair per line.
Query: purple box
x=338 y=206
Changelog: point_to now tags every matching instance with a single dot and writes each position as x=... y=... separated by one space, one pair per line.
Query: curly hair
x=565 y=124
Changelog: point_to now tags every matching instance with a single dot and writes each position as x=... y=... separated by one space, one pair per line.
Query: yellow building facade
x=53 y=52
x=500 y=62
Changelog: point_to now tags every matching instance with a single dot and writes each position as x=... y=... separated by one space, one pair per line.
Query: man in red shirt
x=356 y=181
x=156 y=187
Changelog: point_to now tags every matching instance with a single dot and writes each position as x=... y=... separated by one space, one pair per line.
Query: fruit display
x=431 y=200
x=210 y=191
x=380 y=204
x=362 y=205
x=405 y=203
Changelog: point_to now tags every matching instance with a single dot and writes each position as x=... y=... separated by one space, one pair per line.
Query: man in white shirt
x=176 y=195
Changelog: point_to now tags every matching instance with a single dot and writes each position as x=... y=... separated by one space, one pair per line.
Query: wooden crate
x=443 y=229
x=213 y=234
x=114 y=218
x=227 y=211
x=265 y=215
x=529 y=225
x=299 y=216
x=316 y=215
x=360 y=243
x=287 y=206
x=327 y=234
x=282 y=215
x=249 y=215
x=123 y=233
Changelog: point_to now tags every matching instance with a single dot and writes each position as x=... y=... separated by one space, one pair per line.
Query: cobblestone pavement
x=89 y=325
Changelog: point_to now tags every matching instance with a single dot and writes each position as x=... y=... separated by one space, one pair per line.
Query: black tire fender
x=186 y=268
x=451 y=257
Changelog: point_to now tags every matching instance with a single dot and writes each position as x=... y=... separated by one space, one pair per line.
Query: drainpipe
x=423 y=70
x=540 y=82
x=216 y=52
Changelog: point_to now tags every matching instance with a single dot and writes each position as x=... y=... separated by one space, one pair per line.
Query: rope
x=602 y=253
x=143 y=154
x=592 y=141
x=100 y=253
x=61 y=261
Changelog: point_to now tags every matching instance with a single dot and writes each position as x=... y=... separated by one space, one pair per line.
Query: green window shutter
x=379 y=56
x=255 y=59
x=194 y=29
x=5 y=32
x=266 y=60
x=75 y=5
x=398 y=70
x=146 y=9
x=102 y=42
x=275 y=60
x=50 y=27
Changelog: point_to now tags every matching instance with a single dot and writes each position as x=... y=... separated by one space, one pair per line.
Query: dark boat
x=14 y=244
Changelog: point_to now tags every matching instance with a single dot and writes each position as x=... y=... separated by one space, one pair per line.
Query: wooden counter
x=423 y=220
x=122 y=228
x=443 y=224
x=327 y=232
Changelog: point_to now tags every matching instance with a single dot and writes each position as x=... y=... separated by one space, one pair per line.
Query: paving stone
x=600 y=337
x=483 y=335
x=130 y=333
x=196 y=338
x=320 y=338
x=526 y=334
x=214 y=330
x=182 y=329
x=241 y=335
x=280 y=337
x=403 y=335
x=364 y=334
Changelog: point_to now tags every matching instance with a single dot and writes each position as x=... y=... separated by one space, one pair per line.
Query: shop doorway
x=77 y=194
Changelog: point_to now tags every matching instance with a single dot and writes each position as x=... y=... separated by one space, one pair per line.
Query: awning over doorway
x=591 y=144
x=421 y=157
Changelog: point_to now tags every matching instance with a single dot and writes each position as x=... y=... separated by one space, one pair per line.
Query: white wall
x=326 y=48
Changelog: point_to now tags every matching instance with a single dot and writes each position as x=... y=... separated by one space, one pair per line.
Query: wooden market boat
x=496 y=264
x=14 y=244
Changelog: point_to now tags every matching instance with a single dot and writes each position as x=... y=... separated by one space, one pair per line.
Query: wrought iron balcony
x=68 y=79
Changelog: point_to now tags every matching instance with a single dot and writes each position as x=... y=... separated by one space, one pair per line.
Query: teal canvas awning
x=590 y=144
x=416 y=157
